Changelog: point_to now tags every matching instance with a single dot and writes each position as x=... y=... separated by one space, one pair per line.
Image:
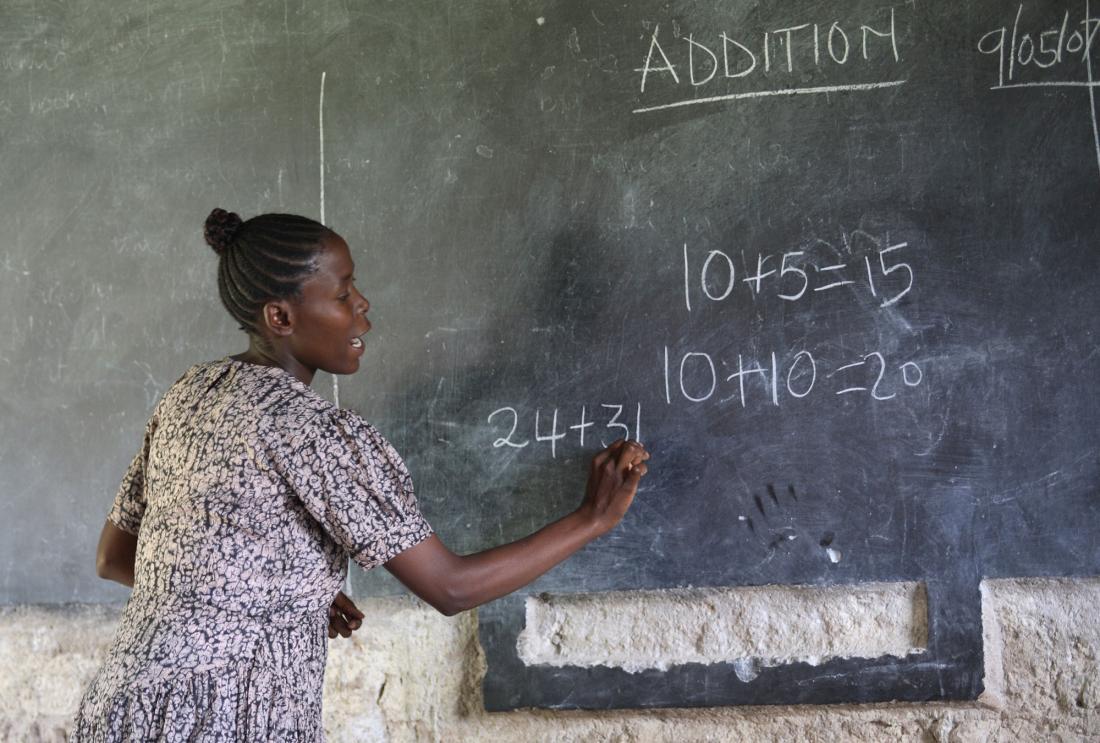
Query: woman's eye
x=343 y=297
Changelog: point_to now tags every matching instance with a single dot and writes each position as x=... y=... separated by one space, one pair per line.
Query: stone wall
x=413 y=675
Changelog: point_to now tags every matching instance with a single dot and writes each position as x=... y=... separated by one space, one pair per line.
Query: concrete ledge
x=750 y=627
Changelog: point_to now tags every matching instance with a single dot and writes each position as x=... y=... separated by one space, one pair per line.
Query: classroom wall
x=412 y=674
x=527 y=226
x=124 y=123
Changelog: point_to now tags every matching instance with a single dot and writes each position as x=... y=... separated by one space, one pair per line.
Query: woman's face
x=330 y=317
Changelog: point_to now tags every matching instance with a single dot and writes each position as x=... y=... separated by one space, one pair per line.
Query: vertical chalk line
x=321 y=132
x=321 y=148
x=1092 y=95
x=321 y=135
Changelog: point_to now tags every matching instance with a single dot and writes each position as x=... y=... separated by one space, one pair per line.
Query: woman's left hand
x=343 y=617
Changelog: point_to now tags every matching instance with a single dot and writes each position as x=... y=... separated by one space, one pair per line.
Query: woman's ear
x=278 y=317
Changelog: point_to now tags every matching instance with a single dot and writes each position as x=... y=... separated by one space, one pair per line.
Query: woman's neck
x=262 y=353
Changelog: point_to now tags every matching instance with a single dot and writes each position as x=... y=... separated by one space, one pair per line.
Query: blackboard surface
x=835 y=264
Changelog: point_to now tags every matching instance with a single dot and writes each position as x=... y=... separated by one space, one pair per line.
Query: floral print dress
x=249 y=493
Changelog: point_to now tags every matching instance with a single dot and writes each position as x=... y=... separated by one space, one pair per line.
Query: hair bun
x=220 y=229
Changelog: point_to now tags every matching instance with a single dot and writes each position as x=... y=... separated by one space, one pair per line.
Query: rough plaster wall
x=413 y=675
x=1048 y=633
x=750 y=627
x=47 y=657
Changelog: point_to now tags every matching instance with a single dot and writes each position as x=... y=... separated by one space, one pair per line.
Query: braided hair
x=266 y=257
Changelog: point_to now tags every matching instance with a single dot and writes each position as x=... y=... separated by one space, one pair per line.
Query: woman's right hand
x=612 y=482
x=453 y=583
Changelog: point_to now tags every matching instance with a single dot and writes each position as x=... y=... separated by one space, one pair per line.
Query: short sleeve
x=129 y=505
x=355 y=484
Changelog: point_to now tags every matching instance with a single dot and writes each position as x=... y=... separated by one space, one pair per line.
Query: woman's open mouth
x=357 y=342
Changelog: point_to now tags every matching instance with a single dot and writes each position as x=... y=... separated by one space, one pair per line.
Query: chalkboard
x=834 y=264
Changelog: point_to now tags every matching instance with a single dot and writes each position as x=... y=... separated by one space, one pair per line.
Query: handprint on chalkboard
x=772 y=511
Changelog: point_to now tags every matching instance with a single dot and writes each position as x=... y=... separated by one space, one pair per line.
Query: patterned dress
x=249 y=493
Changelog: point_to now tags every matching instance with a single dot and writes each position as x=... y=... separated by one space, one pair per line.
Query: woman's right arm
x=453 y=583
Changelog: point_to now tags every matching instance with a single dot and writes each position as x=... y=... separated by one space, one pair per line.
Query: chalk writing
x=697 y=64
x=1061 y=43
x=864 y=265
x=693 y=376
x=874 y=269
x=873 y=264
x=614 y=421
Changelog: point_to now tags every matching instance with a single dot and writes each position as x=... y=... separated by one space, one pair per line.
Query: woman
x=234 y=522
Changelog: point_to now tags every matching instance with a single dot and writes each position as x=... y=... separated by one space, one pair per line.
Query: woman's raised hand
x=453 y=583
x=612 y=482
